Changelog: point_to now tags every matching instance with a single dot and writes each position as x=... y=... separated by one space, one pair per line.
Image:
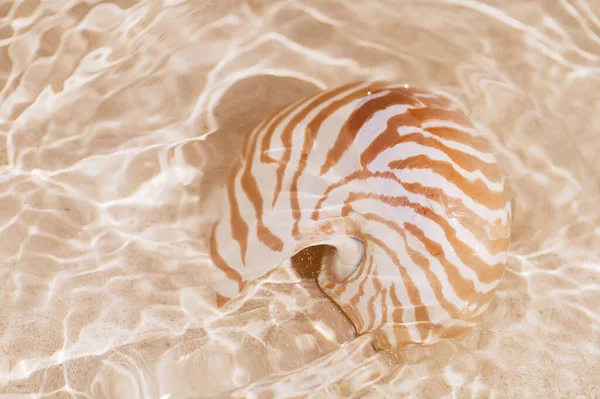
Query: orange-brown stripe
x=349 y=131
x=476 y=189
x=250 y=187
x=361 y=291
x=353 y=301
x=464 y=289
x=450 y=134
x=390 y=138
x=287 y=134
x=239 y=228
x=436 y=285
x=442 y=114
x=310 y=135
x=252 y=137
x=276 y=120
x=400 y=330
x=384 y=308
x=457 y=282
x=421 y=314
x=430 y=114
x=216 y=257
x=434 y=100
x=455 y=207
x=486 y=273
x=371 y=305
x=221 y=300
x=352 y=310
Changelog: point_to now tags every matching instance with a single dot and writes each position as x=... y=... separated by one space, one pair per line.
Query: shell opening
x=343 y=260
x=333 y=260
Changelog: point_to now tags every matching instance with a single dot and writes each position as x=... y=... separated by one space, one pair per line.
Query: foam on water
x=119 y=120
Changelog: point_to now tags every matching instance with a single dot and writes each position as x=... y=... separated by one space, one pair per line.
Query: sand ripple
x=119 y=120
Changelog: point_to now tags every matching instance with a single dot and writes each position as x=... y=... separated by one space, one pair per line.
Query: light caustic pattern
x=120 y=121
x=399 y=182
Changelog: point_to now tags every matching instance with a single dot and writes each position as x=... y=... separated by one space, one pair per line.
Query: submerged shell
x=400 y=169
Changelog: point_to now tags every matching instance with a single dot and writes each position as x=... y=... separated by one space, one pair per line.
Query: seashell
x=403 y=188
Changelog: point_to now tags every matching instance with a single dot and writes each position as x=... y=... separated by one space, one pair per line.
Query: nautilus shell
x=399 y=182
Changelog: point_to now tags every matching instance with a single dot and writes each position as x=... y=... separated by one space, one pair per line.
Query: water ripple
x=119 y=119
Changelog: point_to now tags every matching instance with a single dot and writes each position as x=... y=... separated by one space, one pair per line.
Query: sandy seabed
x=120 y=119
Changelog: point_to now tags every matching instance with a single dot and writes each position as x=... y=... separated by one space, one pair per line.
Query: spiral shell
x=404 y=187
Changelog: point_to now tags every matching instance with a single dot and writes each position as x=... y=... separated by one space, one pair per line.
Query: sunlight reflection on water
x=118 y=121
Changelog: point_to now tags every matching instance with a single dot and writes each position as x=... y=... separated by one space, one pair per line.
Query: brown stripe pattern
x=400 y=169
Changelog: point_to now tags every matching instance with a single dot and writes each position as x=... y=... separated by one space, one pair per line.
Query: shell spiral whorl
x=399 y=181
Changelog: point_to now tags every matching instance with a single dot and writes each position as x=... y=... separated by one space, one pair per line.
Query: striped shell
x=399 y=182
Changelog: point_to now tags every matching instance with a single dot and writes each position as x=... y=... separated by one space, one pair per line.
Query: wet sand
x=119 y=121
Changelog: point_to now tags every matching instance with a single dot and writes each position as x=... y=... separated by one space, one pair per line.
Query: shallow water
x=119 y=120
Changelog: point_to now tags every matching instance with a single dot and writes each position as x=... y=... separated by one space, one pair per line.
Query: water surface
x=120 y=119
